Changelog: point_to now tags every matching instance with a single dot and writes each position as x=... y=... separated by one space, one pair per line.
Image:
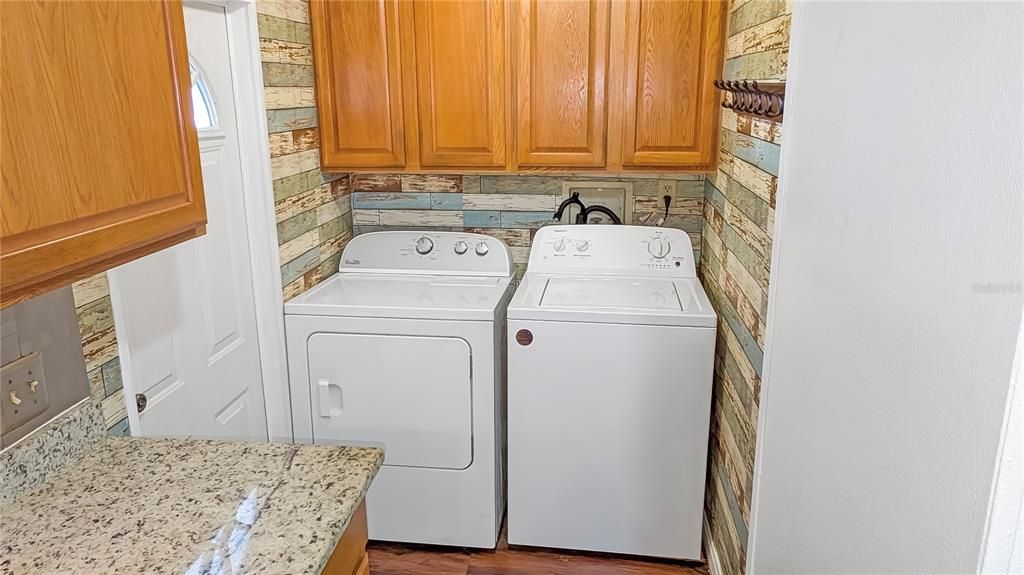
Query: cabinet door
x=99 y=155
x=358 y=83
x=462 y=82
x=673 y=55
x=349 y=555
x=561 y=55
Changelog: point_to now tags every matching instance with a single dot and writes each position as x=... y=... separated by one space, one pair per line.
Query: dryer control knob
x=482 y=249
x=582 y=245
x=461 y=247
x=424 y=245
x=659 y=248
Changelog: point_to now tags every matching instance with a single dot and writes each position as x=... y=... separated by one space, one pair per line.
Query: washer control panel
x=429 y=252
x=613 y=249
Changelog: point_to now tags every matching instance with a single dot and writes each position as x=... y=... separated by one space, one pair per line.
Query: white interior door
x=185 y=317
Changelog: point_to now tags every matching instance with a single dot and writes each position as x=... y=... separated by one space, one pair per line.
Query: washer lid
x=612 y=299
x=412 y=296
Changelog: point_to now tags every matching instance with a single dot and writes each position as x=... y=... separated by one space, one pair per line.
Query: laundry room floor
x=400 y=559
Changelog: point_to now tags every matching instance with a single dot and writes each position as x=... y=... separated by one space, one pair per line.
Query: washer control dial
x=461 y=247
x=424 y=245
x=582 y=245
x=559 y=245
x=482 y=249
x=659 y=247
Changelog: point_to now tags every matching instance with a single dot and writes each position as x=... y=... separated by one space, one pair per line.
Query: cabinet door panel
x=673 y=55
x=359 y=83
x=99 y=154
x=561 y=49
x=462 y=81
x=349 y=555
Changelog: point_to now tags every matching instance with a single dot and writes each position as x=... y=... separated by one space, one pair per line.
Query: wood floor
x=398 y=559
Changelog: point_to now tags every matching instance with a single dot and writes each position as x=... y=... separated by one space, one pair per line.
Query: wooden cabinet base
x=10 y=295
x=349 y=557
x=364 y=566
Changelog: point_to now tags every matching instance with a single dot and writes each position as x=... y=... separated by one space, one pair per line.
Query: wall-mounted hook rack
x=764 y=99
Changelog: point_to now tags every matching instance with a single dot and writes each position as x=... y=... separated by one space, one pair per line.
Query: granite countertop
x=139 y=505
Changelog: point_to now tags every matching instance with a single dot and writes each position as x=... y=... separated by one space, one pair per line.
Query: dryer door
x=410 y=393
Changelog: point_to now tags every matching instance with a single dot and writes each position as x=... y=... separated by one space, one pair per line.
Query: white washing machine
x=404 y=348
x=611 y=350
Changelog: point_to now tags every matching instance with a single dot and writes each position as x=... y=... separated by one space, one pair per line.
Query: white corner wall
x=1004 y=539
x=896 y=295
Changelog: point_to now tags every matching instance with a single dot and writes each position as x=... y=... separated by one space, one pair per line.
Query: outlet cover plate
x=614 y=195
x=16 y=380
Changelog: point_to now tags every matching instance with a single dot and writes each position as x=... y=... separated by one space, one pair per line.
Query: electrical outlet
x=23 y=392
x=667 y=188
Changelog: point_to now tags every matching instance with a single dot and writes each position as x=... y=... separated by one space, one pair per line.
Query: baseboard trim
x=714 y=565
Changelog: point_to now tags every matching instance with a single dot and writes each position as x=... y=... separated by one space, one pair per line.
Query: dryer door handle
x=327 y=407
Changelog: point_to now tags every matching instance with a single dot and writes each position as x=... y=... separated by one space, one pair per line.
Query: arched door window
x=204 y=113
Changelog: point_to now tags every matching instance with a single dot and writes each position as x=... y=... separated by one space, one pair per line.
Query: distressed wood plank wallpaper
x=507 y=207
x=314 y=215
x=739 y=214
x=99 y=345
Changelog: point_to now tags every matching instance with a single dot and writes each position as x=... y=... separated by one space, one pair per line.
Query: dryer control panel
x=437 y=253
x=613 y=250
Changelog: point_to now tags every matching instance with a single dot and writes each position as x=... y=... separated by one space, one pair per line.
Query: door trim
x=254 y=144
x=261 y=223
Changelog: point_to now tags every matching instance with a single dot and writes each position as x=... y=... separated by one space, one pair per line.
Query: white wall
x=1004 y=539
x=896 y=299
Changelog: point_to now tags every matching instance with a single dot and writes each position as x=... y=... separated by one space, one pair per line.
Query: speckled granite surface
x=188 y=506
x=31 y=461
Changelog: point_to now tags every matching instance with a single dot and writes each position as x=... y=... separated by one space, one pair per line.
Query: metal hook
x=756 y=99
x=769 y=108
x=749 y=97
x=729 y=102
x=737 y=94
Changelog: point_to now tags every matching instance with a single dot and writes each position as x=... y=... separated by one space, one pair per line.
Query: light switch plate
x=24 y=393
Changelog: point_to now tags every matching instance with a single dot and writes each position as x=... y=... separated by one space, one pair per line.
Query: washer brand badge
x=524 y=337
x=352 y=262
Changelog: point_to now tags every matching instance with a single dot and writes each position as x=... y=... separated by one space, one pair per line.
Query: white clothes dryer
x=404 y=348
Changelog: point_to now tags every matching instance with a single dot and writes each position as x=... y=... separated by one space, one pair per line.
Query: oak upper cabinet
x=673 y=53
x=462 y=82
x=99 y=157
x=358 y=83
x=561 y=62
x=518 y=85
